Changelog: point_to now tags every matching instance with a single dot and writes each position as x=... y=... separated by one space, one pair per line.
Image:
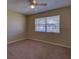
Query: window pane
x=48 y=24
x=53 y=20
x=53 y=24
x=40 y=28
x=40 y=21
x=51 y=28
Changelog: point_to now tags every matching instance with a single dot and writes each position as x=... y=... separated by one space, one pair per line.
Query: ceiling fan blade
x=31 y=1
x=41 y=4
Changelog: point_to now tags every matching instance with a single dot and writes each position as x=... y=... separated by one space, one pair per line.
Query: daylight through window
x=48 y=24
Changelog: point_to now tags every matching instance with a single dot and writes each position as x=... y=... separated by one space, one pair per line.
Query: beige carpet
x=29 y=49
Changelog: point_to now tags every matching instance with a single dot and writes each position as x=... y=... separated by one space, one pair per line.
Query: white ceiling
x=23 y=6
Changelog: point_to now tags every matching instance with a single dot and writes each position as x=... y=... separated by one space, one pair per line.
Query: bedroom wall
x=62 y=38
x=16 y=26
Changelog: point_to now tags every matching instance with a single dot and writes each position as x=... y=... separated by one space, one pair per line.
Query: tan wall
x=15 y=26
x=62 y=38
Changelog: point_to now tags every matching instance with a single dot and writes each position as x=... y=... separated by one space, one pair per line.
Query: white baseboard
x=41 y=41
x=16 y=40
x=51 y=43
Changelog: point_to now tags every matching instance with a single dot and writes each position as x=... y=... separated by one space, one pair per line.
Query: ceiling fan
x=33 y=3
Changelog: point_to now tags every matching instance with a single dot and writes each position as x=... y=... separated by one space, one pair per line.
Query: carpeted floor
x=30 y=49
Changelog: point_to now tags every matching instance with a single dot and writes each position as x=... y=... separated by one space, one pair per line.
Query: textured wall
x=62 y=38
x=15 y=26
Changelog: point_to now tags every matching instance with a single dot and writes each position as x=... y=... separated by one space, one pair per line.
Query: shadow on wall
x=15 y=26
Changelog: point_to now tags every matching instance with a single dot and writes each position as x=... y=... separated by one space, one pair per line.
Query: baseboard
x=40 y=41
x=51 y=43
x=16 y=40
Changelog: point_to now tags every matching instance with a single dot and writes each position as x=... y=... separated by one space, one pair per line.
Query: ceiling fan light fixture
x=32 y=6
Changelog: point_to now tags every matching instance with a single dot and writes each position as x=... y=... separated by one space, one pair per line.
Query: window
x=48 y=24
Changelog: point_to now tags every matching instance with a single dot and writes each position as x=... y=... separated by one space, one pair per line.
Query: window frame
x=45 y=18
